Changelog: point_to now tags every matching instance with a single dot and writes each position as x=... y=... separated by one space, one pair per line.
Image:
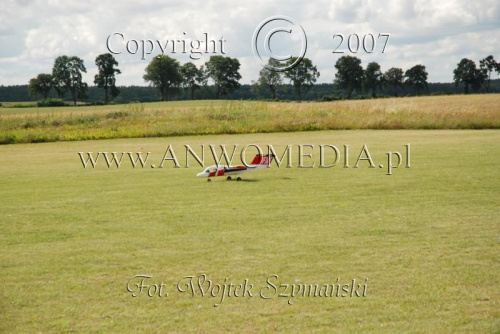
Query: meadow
x=425 y=239
x=163 y=119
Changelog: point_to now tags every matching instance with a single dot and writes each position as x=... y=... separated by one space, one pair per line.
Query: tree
x=349 y=74
x=192 y=77
x=106 y=77
x=488 y=65
x=41 y=85
x=67 y=75
x=373 y=77
x=416 y=77
x=467 y=73
x=164 y=73
x=394 y=78
x=60 y=75
x=270 y=78
x=224 y=71
x=302 y=76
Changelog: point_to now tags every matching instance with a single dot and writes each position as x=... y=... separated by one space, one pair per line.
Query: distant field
x=18 y=105
x=23 y=125
x=426 y=238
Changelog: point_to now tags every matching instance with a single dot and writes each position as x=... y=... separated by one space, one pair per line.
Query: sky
x=437 y=34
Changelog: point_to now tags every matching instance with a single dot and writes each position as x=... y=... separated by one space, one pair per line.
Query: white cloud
x=435 y=33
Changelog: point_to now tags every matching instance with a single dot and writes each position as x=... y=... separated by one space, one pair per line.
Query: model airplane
x=259 y=161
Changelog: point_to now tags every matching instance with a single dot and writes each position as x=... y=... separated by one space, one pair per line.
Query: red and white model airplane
x=259 y=161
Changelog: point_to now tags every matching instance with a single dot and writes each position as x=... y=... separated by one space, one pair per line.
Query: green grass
x=32 y=125
x=426 y=237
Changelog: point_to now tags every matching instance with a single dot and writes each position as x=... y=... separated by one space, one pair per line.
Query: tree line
x=169 y=77
x=163 y=72
x=67 y=76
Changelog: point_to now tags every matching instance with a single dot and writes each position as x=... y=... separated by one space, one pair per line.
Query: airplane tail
x=261 y=159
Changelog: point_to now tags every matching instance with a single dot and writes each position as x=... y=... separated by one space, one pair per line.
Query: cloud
x=435 y=33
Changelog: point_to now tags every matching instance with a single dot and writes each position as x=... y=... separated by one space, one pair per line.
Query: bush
x=51 y=103
x=329 y=98
x=20 y=105
x=438 y=93
x=362 y=97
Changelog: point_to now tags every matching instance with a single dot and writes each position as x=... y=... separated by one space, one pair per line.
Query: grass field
x=426 y=238
x=25 y=125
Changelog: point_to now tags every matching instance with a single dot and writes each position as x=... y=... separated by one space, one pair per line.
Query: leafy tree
x=373 y=77
x=349 y=74
x=224 y=71
x=416 y=77
x=67 y=75
x=60 y=75
x=192 y=77
x=106 y=77
x=302 y=76
x=41 y=85
x=488 y=65
x=163 y=72
x=270 y=78
x=394 y=78
x=467 y=73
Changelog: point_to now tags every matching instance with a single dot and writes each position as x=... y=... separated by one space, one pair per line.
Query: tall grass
x=237 y=117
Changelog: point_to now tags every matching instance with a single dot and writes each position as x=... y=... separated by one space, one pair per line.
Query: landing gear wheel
x=238 y=179
x=209 y=180
x=228 y=178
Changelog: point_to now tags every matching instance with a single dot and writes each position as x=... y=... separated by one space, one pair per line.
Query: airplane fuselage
x=223 y=170
x=260 y=161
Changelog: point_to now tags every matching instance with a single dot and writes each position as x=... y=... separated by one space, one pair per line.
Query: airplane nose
x=200 y=174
